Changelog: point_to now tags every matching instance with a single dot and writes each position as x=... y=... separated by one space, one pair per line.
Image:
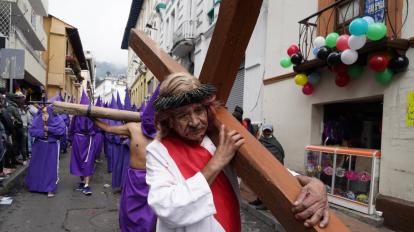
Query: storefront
x=348 y=120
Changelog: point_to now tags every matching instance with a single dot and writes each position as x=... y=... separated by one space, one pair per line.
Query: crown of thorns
x=165 y=102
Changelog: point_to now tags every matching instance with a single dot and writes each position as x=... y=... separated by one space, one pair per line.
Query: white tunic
x=180 y=204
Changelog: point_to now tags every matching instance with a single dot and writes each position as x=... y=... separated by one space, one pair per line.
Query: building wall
x=297 y=118
x=58 y=78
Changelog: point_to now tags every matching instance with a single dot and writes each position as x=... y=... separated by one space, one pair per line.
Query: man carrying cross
x=135 y=213
x=191 y=186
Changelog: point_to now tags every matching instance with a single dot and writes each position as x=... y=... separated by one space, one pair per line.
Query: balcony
x=32 y=29
x=337 y=16
x=183 y=38
x=40 y=6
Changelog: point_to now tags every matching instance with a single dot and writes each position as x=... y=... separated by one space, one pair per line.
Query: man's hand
x=229 y=143
x=312 y=203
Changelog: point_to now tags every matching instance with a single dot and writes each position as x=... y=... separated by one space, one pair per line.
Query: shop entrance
x=353 y=124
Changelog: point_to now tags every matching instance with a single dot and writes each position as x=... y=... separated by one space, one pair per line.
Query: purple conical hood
x=127 y=101
x=55 y=98
x=84 y=99
x=113 y=104
x=118 y=101
x=148 y=116
x=98 y=102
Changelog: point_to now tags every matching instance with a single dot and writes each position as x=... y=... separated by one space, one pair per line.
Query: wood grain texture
x=96 y=112
x=268 y=178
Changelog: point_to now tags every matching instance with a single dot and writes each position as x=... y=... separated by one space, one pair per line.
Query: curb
x=263 y=215
x=14 y=181
x=368 y=219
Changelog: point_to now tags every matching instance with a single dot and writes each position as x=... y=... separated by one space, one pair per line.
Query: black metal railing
x=338 y=15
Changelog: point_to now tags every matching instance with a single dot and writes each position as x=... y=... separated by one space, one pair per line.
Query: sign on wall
x=375 y=9
x=410 y=109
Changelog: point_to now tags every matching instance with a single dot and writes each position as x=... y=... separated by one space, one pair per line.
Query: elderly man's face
x=190 y=122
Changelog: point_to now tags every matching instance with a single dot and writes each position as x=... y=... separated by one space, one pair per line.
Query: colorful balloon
x=342 y=80
x=331 y=39
x=376 y=31
x=384 y=77
x=370 y=20
x=358 y=27
x=314 y=78
x=315 y=51
x=307 y=89
x=292 y=49
x=357 y=42
x=333 y=59
x=301 y=79
x=399 y=63
x=355 y=70
x=340 y=69
x=296 y=58
x=349 y=56
x=342 y=43
x=285 y=62
x=319 y=42
x=323 y=53
x=378 y=63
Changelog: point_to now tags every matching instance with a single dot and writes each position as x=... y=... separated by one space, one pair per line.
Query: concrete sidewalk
x=14 y=181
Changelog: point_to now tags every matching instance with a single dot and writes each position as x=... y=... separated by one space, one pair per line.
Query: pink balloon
x=307 y=89
x=342 y=43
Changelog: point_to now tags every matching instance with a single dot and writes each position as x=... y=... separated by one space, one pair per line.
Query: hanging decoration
x=340 y=52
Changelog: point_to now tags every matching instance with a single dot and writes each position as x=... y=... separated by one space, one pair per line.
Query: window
x=347 y=12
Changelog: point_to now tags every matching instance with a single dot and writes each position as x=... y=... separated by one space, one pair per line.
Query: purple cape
x=98 y=138
x=134 y=212
x=82 y=161
x=42 y=173
x=148 y=115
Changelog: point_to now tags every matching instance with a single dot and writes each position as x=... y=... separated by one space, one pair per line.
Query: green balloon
x=331 y=39
x=285 y=62
x=355 y=70
x=384 y=77
x=376 y=31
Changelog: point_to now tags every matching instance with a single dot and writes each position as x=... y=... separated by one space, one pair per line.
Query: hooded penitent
x=82 y=154
x=42 y=173
x=148 y=115
x=120 y=155
x=98 y=140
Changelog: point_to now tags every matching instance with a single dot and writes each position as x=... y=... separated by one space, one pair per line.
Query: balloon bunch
x=295 y=57
x=307 y=81
x=340 y=53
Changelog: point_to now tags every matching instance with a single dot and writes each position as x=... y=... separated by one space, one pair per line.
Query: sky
x=101 y=25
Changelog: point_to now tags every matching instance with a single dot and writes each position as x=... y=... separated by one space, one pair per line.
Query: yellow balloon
x=301 y=79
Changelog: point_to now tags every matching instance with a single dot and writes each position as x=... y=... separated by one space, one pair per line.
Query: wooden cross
x=269 y=179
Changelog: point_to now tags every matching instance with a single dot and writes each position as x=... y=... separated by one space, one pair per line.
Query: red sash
x=191 y=159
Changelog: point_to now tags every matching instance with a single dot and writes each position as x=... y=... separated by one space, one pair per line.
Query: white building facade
x=21 y=27
x=109 y=87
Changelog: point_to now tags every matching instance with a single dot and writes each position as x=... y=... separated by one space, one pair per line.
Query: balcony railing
x=338 y=15
x=185 y=31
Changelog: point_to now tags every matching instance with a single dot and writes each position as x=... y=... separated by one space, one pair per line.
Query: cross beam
x=275 y=186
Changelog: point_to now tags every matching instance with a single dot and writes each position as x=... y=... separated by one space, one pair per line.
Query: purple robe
x=111 y=139
x=82 y=160
x=134 y=212
x=43 y=170
x=98 y=139
x=119 y=156
x=148 y=116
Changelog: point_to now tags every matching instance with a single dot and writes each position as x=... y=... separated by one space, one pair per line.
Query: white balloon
x=357 y=42
x=319 y=42
x=369 y=19
x=349 y=56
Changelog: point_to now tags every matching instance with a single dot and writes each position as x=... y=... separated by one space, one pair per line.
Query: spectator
x=32 y=111
x=3 y=139
x=270 y=142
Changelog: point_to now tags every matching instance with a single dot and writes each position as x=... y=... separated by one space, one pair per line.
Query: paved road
x=72 y=211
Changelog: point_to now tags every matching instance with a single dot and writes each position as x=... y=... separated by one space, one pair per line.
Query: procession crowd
x=170 y=174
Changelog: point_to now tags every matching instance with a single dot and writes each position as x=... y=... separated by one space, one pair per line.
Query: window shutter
x=326 y=22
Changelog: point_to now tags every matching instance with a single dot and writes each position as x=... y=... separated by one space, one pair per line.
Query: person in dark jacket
x=13 y=104
x=270 y=142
